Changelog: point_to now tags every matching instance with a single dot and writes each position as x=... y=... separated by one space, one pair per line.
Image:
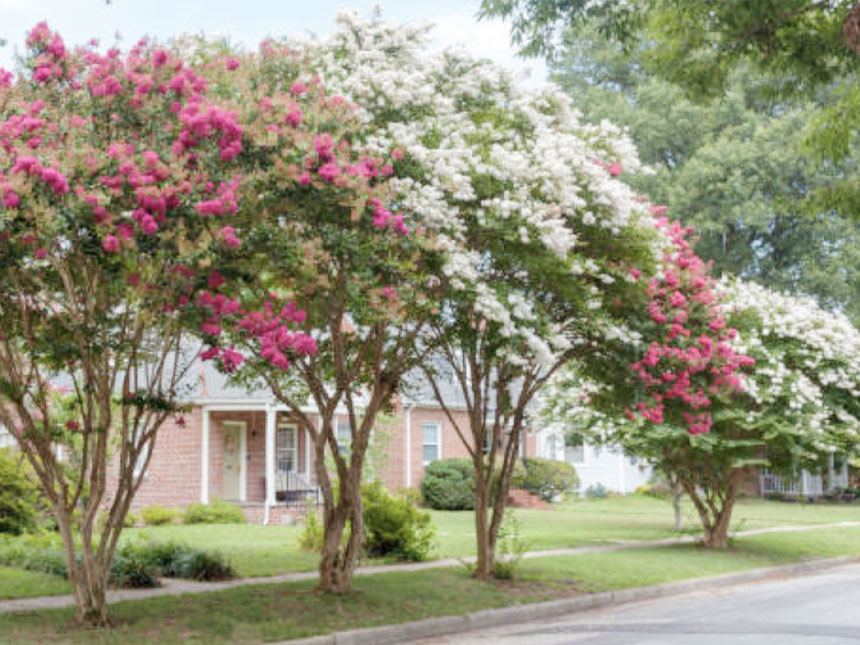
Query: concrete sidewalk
x=175 y=587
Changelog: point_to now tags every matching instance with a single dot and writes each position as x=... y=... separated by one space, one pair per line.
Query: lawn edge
x=489 y=618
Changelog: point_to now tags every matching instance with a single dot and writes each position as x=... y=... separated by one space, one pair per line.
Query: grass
x=17 y=583
x=281 y=611
x=270 y=550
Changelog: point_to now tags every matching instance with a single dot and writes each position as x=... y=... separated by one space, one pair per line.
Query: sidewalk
x=175 y=587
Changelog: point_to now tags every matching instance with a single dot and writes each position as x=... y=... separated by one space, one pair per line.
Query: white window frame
x=141 y=459
x=344 y=439
x=437 y=426
x=294 y=449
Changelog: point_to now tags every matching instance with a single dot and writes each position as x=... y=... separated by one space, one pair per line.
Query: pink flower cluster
x=50 y=61
x=691 y=359
x=382 y=218
x=275 y=331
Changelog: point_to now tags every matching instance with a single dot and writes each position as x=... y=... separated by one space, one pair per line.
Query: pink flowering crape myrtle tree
x=724 y=376
x=328 y=293
x=118 y=175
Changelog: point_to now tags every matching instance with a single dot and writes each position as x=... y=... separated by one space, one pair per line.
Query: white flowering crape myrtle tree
x=523 y=199
x=800 y=403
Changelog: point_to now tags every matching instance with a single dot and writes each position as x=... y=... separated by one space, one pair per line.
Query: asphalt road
x=819 y=609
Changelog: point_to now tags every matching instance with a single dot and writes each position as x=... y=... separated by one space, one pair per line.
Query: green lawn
x=269 y=550
x=16 y=583
x=280 y=611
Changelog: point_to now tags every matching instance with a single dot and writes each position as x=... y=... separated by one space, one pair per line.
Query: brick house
x=244 y=447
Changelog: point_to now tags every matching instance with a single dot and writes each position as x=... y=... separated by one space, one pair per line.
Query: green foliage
x=548 y=478
x=511 y=547
x=176 y=560
x=311 y=538
x=449 y=485
x=217 y=512
x=130 y=568
x=394 y=526
x=18 y=495
x=158 y=515
x=737 y=170
x=596 y=491
x=136 y=563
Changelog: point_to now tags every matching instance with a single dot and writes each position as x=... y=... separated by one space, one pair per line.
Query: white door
x=232 y=469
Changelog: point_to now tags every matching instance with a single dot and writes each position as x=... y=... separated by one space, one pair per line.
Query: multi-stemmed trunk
x=714 y=500
x=341 y=516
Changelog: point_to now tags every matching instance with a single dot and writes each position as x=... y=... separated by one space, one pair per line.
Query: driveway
x=820 y=609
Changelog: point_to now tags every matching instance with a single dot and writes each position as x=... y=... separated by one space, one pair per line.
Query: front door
x=232 y=466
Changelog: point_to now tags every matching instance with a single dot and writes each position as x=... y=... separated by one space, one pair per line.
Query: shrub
x=511 y=547
x=34 y=552
x=158 y=515
x=311 y=538
x=449 y=485
x=217 y=512
x=132 y=569
x=176 y=560
x=18 y=495
x=394 y=525
x=597 y=490
x=548 y=478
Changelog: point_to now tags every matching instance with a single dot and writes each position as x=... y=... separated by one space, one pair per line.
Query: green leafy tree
x=733 y=169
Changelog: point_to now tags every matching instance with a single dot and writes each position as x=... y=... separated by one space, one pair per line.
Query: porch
x=806 y=484
x=255 y=455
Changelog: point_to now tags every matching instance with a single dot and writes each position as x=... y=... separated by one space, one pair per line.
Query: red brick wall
x=394 y=475
x=173 y=476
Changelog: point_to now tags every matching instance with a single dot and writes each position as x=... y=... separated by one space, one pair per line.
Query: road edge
x=488 y=618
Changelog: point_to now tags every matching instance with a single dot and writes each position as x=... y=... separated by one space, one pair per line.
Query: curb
x=487 y=618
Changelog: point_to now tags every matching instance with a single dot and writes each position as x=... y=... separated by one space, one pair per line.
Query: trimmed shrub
x=158 y=515
x=449 y=485
x=18 y=495
x=548 y=478
x=394 y=525
x=217 y=512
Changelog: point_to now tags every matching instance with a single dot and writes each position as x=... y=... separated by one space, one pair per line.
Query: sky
x=249 y=21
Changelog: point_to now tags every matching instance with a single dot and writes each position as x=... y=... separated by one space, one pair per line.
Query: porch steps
x=521 y=498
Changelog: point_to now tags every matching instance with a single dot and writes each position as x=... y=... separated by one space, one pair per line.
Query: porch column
x=408 y=449
x=204 y=458
x=271 y=416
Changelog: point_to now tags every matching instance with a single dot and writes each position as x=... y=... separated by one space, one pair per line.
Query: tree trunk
x=338 y=560
x=485 y=543
x=717 y=534
x=677 y=493
x=88 y=577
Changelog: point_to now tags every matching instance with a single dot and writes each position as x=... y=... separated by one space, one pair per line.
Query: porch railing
x=294 y=489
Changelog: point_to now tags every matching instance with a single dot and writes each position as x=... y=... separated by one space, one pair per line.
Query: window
x=344 y=436
x=141 y=458
x=574 y=450
x=431 y=433
x=286 y=449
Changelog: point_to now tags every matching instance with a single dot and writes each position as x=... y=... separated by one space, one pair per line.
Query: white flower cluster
x=516 y=161
x=807 y=360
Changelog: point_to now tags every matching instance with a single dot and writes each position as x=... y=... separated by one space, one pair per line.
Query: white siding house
x=603 y=465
